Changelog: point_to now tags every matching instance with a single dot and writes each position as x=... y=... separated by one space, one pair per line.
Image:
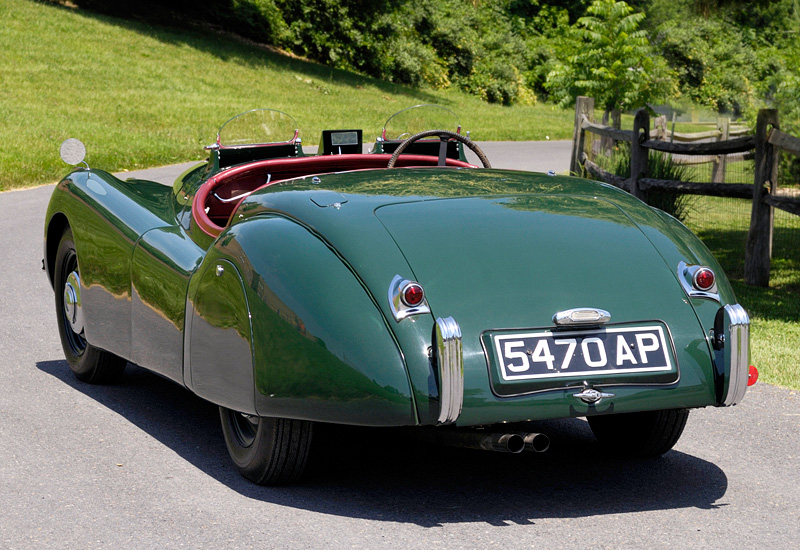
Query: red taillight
x=753 y=377
x=704 y=279
x=413 y=295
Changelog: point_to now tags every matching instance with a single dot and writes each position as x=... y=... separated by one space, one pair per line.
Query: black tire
x=267 y=451
x=639 y=435
x=88 y=363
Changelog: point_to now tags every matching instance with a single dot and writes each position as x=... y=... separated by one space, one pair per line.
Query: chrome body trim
x=736 y=352
x=581 y=316
x=450 y=362
x=686 y=276
x=399 y=309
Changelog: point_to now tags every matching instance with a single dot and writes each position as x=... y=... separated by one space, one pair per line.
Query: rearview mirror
x=73 y=151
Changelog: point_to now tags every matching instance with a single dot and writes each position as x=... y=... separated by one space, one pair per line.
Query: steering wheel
x=444 y=136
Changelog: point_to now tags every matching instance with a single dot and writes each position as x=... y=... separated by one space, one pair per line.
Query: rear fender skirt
x=731 y=344
x=218 y=339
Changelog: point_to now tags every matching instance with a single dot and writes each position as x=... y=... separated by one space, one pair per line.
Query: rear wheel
x=641 y=434
x=87 y=362
x=267 y=451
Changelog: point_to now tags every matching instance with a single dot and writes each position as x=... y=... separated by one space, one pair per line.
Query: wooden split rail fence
x=764 y=145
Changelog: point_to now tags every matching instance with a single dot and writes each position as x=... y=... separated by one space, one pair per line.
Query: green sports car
x=402 y=286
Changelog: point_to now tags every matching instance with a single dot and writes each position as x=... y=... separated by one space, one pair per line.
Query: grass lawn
x=774 y=311
x=140 y=95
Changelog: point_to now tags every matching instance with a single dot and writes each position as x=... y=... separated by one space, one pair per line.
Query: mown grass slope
x=140 y=95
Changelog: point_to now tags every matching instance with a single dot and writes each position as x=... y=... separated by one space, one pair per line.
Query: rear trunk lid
x=506 y=265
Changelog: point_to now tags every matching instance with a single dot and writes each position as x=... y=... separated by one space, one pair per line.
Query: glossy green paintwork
x=527 y=247
x=321 y=347
x=298 y=323
x=219 y=337
x=107 y=217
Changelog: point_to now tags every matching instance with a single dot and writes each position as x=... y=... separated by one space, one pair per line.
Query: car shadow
x=387 y=475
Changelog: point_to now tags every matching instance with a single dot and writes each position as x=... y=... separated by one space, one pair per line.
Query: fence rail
x=787 y=142
x=763 y=147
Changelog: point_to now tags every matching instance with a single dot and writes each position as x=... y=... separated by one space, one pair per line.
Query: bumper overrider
x=450 y=362
x=731 y=345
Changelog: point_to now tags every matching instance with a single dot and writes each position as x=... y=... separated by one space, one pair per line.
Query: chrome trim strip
x=736 y=352
x=686 y=274
x=450 y=361
x=399 y=309
x=582 y=316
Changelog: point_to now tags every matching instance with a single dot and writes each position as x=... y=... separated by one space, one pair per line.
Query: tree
x=605 y=55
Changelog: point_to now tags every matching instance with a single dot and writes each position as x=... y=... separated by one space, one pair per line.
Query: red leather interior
x=212 y=214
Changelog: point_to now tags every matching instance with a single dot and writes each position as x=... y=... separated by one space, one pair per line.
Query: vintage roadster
x=399 y=287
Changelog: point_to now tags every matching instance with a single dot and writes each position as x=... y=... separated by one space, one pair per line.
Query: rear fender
x=321 y=347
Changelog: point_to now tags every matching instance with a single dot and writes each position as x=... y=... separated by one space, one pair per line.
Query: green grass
x=140 y=95
x=774 y=311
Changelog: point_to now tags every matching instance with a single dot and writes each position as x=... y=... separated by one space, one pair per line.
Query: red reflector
x=753 y=378
x=413 y=294
x=704 y=279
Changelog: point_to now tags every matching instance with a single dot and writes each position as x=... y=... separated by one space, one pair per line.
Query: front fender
x=320 y=344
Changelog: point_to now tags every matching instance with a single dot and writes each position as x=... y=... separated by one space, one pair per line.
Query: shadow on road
x=382 y=474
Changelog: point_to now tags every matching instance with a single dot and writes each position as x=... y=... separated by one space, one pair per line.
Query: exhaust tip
x=535 y=442
x=512 y=443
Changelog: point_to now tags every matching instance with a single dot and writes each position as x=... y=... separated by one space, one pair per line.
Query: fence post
x=758 y=252
x=639 y=154
x=718 y=168
x=660 y=128
x=583 y=106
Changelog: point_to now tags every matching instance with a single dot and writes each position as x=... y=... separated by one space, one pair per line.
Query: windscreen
x=419 y=118
x=257 y=127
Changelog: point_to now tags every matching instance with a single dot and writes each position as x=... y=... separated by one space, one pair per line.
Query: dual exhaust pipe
x=498 y=442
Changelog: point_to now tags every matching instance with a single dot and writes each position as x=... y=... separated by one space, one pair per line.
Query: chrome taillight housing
x=407 y=298
x=698 y=281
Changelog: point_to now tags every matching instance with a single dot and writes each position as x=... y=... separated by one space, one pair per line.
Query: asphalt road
x=142 y=464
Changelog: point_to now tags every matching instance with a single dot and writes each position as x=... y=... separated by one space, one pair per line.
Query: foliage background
x=731 y=56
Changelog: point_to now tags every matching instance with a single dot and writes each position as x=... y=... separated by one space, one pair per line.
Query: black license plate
x=580 y=353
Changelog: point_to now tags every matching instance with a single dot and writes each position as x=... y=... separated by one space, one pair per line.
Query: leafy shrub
x=714 y=67
x=660 y=166
x=607 y=56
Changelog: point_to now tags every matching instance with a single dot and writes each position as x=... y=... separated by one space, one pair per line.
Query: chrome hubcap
x=246 y=428
x=72 y=302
